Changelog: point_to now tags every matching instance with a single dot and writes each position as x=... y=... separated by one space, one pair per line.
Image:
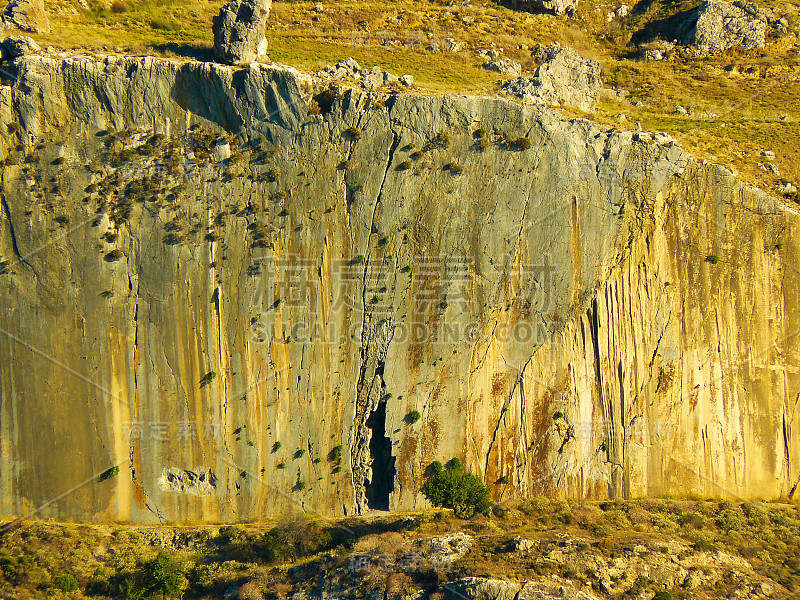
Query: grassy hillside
x=747 y=102
x=539 y=539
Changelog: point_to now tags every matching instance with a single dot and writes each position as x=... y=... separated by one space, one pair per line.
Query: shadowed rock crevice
x=379 y=489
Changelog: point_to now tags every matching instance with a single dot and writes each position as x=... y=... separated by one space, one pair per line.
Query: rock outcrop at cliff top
x=26 y=15
x=18 y=45
x=565 y=77
x=718 y=25
x=558 y=7
x=239 y=31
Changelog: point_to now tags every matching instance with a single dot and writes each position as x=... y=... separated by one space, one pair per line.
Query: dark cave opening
x=383 y=463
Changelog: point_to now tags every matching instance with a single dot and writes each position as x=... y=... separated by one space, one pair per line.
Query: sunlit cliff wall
x=188 y=335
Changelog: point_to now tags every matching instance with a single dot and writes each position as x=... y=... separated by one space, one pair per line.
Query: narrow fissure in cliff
x=13 y=235
x=381 y=484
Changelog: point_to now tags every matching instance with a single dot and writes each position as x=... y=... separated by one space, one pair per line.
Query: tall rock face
x=223 y=300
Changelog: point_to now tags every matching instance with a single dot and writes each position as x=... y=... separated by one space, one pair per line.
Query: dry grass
x=33 y=555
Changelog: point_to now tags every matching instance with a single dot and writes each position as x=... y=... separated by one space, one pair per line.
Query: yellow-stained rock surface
x=221 y=298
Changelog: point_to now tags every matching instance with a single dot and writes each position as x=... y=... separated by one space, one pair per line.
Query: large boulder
x=558 y=7
x=718 y=25
x=18 y=45
x=565 y=77
x=26 y=15
x=239 y=31
x=506 y=66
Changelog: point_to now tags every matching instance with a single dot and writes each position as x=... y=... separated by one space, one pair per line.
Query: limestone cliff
x=225 y=290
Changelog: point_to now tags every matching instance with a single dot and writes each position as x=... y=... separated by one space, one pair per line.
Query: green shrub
x=313 y=107
x=454 y=487
x=208 y=378
x=66 y=583
x=172 y=239
x=161 y=576
x=443 y=139
x=520 y=143
x=413 y=417
x=352 y=133
x=712 y=258
x=535 y=506
x=300 y=453
x=293 y=538
x=109 y=474
x=276 y=446
x=335 y=455
x=113 y=256
x=704 y=546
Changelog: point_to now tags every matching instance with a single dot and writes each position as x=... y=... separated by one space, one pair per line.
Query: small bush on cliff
x=440 y=142
x=518 y=144
x=109 y=474
x=113 y=256
x=413 y=417
x=482 y=140
x=352 y=133
x=456 y=488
